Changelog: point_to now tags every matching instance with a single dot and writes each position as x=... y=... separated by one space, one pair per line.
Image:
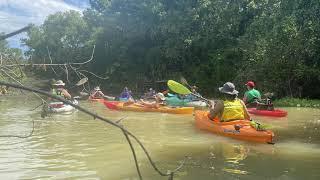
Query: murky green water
x=78 y=147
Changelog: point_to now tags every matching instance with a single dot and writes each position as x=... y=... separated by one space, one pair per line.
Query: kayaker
x=266 y=104
x=230 y=108
x=192 y=97
x=96 y=93
x=159 y=101
x=150 y=94
x=59 y=90
x=252 y=96
x=126 y=94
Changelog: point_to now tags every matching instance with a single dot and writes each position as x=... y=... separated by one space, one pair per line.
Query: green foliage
x=10 y=56
x=273 y=42
x=7 y=52
x=63 y=35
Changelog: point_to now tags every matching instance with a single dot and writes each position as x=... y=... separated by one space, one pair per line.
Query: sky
x=16 y=14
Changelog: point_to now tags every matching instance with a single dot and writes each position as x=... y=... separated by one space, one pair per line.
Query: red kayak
x=113 y=105
x=274 y=113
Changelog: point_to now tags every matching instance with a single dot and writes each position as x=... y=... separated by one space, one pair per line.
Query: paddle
x=109 y=97
x=181 y=89
x=184 y=81
x=80 y=82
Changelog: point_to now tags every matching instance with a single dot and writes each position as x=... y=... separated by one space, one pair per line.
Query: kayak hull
x=96 y=100
x=139 y=108
x=53 y=107
x=113 y=105
x=274 y=113
x=200 y=104
x=175 y=101
x=102 y=99
x=246 y=132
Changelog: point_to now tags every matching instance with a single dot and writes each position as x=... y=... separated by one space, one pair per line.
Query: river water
x=76 y=146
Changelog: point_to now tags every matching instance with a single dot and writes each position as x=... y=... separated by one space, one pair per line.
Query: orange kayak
x=244 y=132
x=139 y=108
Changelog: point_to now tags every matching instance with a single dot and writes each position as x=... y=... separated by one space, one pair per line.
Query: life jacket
x=233 y=110
x=57 y=92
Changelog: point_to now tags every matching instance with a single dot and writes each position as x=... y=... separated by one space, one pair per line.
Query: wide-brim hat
x=228 y=88
x=59 y=83
x=161 y=96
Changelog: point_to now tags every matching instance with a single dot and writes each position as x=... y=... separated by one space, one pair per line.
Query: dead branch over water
x=127 y=133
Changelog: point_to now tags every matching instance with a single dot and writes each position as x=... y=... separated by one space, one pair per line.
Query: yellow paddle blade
x=178 y=88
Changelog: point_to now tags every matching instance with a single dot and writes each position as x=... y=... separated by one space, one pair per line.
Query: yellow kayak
x=117 y=105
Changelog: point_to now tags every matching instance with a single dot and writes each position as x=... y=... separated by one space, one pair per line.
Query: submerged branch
x=17 y=136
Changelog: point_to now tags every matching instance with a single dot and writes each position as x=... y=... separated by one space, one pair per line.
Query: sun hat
x=161 y=96
x=250 y=83
x=228 y=88
x=59 y=83
x=97 y=88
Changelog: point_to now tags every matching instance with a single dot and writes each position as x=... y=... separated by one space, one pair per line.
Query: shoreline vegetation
x=140 y=44
x=297 y=102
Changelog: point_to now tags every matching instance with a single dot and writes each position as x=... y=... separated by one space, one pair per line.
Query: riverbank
x=297 y=102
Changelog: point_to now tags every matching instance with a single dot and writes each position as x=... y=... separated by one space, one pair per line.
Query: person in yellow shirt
x=230 y=107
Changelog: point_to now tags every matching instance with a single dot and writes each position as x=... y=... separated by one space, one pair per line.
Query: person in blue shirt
x=192 y=97
x=125 y=95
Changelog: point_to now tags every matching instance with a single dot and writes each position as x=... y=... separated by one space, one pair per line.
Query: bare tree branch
x=96 y=116
x=94 y=74
x=15 y=32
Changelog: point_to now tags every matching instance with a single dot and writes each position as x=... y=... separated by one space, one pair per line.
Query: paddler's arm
x=246 y=113
x=149 y=104
x=101 y=93
x=66 y=94
x=215 y=109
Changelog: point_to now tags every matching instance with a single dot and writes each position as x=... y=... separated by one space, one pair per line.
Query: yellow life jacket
x=233 y=110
